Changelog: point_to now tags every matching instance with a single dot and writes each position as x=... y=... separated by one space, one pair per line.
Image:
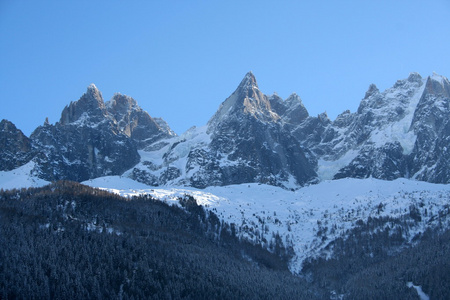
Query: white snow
x=421 y=294
x=115 y=183
x=394 y=111
x=224 y=110
x=174 y=154
x=398 y=131
x=261 y=211
x=328 y=168
x=20 y=178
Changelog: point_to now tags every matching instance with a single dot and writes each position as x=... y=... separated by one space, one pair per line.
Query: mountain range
x=335 y=201
x=402 y=132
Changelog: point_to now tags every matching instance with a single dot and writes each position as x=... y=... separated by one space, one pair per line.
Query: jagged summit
x=247 y=99
x=94 y=138
x=94 y=95
x=371 y=91
x=438 y=84
x=136 y=123
x=400 y=132
x=248 y=82
x=120 y=102
x=414 y=77
x=92 y=87
x=291 y=110
x=89 y=108
x=248 y=131
x=435 y=76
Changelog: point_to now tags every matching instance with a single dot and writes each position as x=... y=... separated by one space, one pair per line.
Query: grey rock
x=135 y=122
x=84 y=144
x=403 y=131
x=429 y=160
x=15 y=147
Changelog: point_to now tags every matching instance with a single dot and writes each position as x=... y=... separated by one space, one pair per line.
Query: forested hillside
x=69 y=241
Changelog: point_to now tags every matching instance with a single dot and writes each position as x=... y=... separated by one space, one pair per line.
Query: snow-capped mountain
x=262 y=163
x=92 y=139
x=243 y=142
x=402 y=132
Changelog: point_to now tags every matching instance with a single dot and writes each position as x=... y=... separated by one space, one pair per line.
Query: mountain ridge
x=400 y=132
x=354 y=191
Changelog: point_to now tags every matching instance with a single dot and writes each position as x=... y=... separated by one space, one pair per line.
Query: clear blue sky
x=181 y=59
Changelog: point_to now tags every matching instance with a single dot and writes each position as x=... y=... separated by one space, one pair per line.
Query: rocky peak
x=293 y=100
x=164 y=126
x=7 y=126
x=248 y=100
x=297 y=112
x=438 y=85
x=371 y=91
x=121 y=104
x=434 y=102
x=90 y=108
x=254 y=101
x=136 y=123
x=292 y=111
x=414 y=77
x=323 y=117
x=343 y=120
x=248 y=82
x=121 y=107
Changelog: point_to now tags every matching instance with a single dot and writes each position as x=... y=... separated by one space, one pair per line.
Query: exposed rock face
x=15 y=147
x=88 y=110
x=430 y=158
x=291 y=111
x=84 y=144
x=387 y=162
x=400 y=132
x=247 y=99
x=93 y=139
x=403 y=131
x=249 y=133
x=137 y=123
x=244 y=141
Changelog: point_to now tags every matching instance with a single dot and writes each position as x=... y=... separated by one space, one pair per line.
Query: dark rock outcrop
x=84 y=144
x=15 y=147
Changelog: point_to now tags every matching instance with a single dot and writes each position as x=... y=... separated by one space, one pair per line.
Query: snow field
x=304 y=217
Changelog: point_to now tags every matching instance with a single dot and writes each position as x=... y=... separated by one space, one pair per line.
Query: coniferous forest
x=67 y=240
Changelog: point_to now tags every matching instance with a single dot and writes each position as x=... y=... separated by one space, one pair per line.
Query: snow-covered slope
x=400 y=132
x=310 y=218
x=356 y=144
x=20 y=178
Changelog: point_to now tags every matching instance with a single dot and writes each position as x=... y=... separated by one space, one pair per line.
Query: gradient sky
x=181 y=59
